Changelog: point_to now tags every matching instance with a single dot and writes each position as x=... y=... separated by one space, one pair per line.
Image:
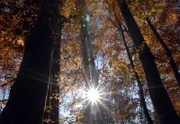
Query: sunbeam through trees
x=89 y=62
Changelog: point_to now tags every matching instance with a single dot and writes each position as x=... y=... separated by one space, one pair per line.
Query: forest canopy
x=89 y=62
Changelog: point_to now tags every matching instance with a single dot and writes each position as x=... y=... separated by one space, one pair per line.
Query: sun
x=93 y=95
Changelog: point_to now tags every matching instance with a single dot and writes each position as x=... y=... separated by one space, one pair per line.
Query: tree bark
x=158 y=94
x=28 y=94
x=168 y=52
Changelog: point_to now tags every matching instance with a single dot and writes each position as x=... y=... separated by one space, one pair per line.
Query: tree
x=13 y=23
x=93 y=51
x=164 y=110
x=168 y=52
x=89 y=66
x=140 y=86
x=51 y=114
x=141 y=93
x=28 y=94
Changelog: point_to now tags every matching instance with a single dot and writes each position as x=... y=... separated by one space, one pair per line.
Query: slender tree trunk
x=168 y=52
x=88 y=115
x=158 y=94
x=54 y=87
x=53 y=93
x=28 y=94
x=84 y=36
x=141 y=93
x=89 y=65
x=85 y=58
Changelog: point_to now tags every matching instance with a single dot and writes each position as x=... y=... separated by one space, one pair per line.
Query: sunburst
x=94 y=95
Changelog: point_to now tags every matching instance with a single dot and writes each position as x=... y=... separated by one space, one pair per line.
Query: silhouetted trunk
x=28 y=94
x=158 y=94
x=141 y=93
x=52 y=104
x=53 y=93
x=54 y=88
x=168 y=52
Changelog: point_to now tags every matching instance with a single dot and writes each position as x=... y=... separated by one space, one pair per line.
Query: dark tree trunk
x=168 y=52
x=52 y=104
x=28 y=94
x=54 y=88
x=53 y=92
x=141 y=93
x=158 y=94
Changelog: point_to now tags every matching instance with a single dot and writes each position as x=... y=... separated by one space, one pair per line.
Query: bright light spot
x=93 y=95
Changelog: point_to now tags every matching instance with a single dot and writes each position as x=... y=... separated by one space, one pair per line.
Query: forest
x=89 y=61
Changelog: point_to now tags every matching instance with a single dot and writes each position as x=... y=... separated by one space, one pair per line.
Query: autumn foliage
x=96 y=32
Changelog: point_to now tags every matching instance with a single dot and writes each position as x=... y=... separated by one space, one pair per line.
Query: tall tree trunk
x=53 y=93
x=52 y=104
x=84 y=36
x=168 y=52
x=141 y=93
x=158 y=94
x=28 y=94
x=54 y=86
x=90 y=71
x=88 y=118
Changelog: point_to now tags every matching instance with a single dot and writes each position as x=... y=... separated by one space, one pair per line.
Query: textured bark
x=158 y=94
x=168 y=52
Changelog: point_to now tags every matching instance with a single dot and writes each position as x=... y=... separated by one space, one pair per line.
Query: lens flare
x=93 y=95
